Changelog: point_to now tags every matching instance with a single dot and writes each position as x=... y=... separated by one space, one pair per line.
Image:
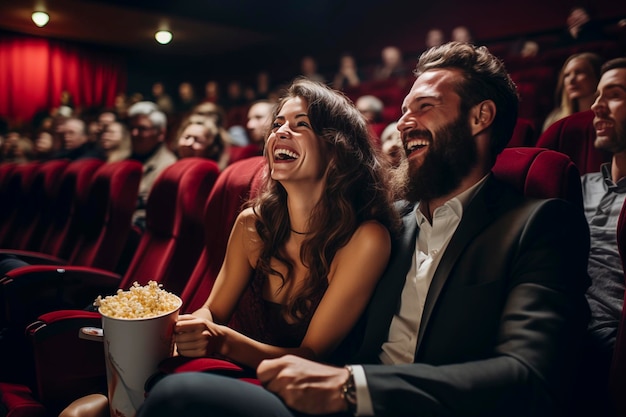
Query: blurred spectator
x=391 y=144
x=234 y=95
x=576 y=86
x=148 y=126
x=200 y=137
x=115 y=142
x=257 y=127
x=580 y=28
x=308 y=68
x=392 y=64
x=434 y=37
x=186 y=97
x=75 y=143
x=217 y=113
x=44 y=146
x=212 y=92
x=263 y=86
x=371 y=107
x=161 y=98
x=347 y=74
x=461 y=34
x=120 y=106
x=16 y=148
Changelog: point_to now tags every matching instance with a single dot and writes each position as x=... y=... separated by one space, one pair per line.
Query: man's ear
x=482 y=116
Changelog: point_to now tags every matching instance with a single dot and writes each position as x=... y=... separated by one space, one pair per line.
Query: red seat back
x=60 y=237
x=43 y=196
x=540 y=173
x=174 y=236
x=574 y=136
x=104 y=220
x=235 y=185
x=18 y=194
x=523 y=134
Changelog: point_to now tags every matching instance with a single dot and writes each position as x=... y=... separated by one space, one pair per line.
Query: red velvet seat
x=540 y=173
x=36 y=216
x=17 y=204
x=523 y=134
x=66 y=367
x=59 y=238
x=574 y=136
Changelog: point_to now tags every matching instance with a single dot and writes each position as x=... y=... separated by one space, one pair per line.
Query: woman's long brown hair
x=356 y=190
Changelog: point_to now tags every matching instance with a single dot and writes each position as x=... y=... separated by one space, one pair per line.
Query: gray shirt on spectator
x=603 y=200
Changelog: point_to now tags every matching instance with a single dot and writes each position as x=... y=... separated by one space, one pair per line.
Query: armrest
x=178 y=364
x=30 y=291
x=66 y=366
x=34 y=258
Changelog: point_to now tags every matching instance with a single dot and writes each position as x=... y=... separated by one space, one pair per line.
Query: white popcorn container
x=133 y=348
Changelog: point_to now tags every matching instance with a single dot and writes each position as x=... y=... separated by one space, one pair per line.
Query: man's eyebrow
x=612 y=86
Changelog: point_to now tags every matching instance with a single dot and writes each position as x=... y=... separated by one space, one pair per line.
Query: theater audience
x=604 y=193
x=576 y=86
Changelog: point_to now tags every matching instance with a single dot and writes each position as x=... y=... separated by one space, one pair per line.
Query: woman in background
x=576 y=86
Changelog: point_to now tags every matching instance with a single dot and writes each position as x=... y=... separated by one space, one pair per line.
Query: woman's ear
x=482 y=116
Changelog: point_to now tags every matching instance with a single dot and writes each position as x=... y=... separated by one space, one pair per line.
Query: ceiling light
x=40 y=18
x=163 y=36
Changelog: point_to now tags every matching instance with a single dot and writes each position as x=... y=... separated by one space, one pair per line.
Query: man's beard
x=448 y=159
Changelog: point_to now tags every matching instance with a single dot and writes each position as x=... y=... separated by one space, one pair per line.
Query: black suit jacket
x=504 y=316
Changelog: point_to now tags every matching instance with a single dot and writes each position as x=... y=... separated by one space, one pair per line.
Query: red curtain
x=34 y=72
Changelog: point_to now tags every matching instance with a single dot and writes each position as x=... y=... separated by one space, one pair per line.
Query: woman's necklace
x=299 y=233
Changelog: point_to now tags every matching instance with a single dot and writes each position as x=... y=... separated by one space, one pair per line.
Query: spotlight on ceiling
x=163 y=37
x=40 y=18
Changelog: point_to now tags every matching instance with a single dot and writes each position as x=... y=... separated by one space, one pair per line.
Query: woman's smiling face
x=294 y=151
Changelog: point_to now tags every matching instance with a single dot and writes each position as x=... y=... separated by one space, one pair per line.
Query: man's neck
x=618 y=166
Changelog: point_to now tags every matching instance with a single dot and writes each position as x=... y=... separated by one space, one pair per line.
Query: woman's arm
x=354 y=273
x=195 y=334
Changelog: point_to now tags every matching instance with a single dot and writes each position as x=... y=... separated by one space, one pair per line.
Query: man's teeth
x=415 y=144
x=285 y=154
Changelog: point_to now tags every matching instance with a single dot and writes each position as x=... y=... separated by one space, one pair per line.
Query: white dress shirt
x=432 y=241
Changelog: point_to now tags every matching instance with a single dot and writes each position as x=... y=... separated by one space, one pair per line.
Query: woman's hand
x=198 y=337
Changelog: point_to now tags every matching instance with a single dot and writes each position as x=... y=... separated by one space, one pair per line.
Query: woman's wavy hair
x=357 y=189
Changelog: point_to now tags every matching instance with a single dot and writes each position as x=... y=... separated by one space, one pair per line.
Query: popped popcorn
x=138 y=302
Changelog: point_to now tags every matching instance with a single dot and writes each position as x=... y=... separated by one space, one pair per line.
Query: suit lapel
x=476 y=216
x=386 y=299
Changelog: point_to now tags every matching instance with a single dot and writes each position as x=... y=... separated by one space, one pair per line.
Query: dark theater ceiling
x=200 y=27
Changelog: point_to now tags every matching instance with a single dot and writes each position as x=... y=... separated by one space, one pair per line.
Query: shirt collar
x=456 y=203
x=619 y=187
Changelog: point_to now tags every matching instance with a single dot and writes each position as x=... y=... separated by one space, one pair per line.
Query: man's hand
x=304 y=385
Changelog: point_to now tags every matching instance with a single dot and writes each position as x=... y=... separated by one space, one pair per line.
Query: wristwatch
x=348 y=392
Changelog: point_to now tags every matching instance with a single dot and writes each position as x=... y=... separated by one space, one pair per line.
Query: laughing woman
x=305 y=256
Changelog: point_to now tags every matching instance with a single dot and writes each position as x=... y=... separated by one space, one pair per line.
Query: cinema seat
x=574 y=136
x=67 y=367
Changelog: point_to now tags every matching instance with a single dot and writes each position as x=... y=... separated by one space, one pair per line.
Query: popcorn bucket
x=133 y=348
